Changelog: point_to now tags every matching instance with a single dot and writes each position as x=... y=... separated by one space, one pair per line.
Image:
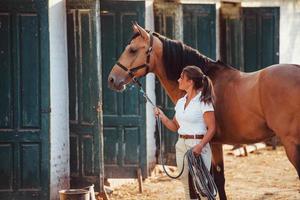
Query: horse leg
x=293 y=153
x=218 y=169
x=288 y=132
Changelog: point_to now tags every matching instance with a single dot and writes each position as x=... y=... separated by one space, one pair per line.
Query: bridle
x=133 y=70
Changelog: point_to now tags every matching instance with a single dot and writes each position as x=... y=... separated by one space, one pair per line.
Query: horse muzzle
x=115 y=84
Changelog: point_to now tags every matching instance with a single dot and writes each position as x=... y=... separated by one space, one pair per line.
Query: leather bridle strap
x=133 y=70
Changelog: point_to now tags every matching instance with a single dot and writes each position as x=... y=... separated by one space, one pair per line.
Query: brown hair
x=200 y=81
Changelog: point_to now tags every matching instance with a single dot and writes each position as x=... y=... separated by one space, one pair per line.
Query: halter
x=133 y=70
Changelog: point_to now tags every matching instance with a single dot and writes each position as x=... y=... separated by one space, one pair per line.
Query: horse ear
x=142 y=31
x=134 y=27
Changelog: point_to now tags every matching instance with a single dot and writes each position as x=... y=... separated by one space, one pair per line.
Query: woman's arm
x=209 y=119
x=171 y=124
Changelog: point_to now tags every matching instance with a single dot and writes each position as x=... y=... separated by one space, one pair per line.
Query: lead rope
x=159 y=125
x=203 y=181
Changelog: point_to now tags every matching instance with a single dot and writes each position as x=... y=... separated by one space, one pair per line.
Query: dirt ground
x=264 y=174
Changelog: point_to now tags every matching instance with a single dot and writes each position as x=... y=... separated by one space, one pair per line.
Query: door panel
x=29 y=62
x=199 y=29
x=164 y=24
x=24 y=100
x=6 y=71
x=261 y=37
x=124 y=113
x=231 y=34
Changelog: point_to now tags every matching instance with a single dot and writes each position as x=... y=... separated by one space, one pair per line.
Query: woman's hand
x=159 y=113
x=197 y=149
x=172 y=125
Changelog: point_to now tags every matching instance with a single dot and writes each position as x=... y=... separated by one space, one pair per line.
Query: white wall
x=59 y=117
x=150 y=90
x=289 y=33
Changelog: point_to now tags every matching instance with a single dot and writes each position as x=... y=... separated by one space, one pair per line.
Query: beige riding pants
x=182 y=146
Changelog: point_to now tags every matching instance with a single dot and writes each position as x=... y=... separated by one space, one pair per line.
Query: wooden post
x=140 y=180
x=103 y=196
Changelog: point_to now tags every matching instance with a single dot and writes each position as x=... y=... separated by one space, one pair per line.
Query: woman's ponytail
x=207 y=95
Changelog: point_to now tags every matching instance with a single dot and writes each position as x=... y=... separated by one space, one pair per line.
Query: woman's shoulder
x=206 y=106
x=181 y=99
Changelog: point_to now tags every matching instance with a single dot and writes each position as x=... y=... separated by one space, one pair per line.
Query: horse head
x=135 y=60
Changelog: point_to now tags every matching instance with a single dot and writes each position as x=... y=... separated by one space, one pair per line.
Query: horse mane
x=177 y=55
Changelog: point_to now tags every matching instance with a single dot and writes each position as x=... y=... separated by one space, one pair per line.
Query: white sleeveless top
x=190 y=119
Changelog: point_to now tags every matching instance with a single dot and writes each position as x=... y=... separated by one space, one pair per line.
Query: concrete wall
x=59 y=117
x=150 y=90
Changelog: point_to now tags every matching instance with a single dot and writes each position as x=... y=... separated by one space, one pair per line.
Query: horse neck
x=171 y=87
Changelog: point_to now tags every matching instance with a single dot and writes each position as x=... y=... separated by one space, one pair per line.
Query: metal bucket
x=74 y=194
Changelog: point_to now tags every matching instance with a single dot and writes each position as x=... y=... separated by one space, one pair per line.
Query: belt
x=191 y=136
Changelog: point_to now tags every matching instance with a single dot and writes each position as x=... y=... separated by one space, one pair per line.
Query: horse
x=249 y=107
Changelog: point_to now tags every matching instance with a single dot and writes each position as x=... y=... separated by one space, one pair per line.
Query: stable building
x=60 y=125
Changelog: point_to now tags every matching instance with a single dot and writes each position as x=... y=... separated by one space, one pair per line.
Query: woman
x=194 y=121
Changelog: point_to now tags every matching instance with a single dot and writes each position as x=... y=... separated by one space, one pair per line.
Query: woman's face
x=184 y=82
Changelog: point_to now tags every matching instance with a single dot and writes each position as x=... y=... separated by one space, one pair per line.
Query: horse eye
x=131 y=50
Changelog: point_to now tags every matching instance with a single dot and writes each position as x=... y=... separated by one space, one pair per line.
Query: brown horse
x=249 y=107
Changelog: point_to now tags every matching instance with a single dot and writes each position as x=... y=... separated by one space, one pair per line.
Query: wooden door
x=86 y=155
x=124 y=113
x=261 y=37
x=165 y=24
x=24 y=100
x=231 y=34
x=199 y=27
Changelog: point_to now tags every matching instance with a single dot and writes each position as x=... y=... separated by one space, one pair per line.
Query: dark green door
x=261 y=37
x=84 y=102
x=164 y=24
x=199 y=28
x=24 y=100
x=231 y=37
x=124 y=113
x=198 y=32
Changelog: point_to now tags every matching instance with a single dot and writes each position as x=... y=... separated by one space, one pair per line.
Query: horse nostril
x=111 y=79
